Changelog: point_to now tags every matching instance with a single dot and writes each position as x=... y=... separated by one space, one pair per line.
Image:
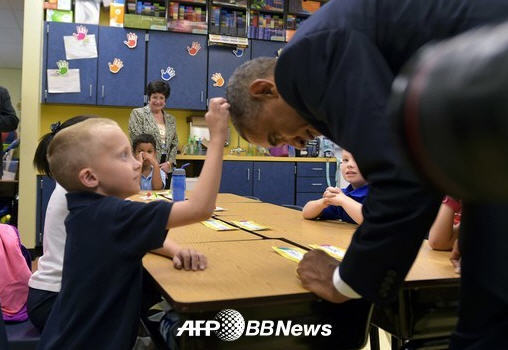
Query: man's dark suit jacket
x=337 y=73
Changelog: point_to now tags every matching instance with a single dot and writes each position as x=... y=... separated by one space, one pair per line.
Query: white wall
x=11 y=80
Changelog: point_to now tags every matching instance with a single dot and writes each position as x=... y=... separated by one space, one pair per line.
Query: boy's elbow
x=438 y=244
x=204 y=213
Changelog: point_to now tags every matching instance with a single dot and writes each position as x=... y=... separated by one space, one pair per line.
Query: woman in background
x=153 y=120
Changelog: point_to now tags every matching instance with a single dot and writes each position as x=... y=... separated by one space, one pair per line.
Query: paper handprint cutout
x=115 y=66
x=132 y=40
x=218 y=79
x=194 y=48
x=168 y=73
x=82 y=31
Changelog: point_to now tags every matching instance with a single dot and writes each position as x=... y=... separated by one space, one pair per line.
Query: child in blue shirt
x=344 y=204
x=144 y=150
x=98 y=306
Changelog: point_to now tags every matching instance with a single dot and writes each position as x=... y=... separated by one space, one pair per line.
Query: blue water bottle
x=178 y=184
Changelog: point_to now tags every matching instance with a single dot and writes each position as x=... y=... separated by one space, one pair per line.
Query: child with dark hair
x=152 y=176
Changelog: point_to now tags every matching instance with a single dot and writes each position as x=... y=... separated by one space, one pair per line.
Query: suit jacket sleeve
x=341 y=86
x=8 y=119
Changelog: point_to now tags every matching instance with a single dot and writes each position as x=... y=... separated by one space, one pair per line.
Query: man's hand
x=316 y=273
x=189 y=259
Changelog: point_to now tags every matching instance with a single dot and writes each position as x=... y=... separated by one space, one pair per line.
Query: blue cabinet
x=263 y=48
x=45 y=187
x=274 y=182
x=55 y=51
x=236 y=178
x=222 y=60
x=312 y=180
x=127 y=86
x=188 y=86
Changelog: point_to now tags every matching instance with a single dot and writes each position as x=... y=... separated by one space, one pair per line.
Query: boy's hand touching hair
x=189 y=259
x=217 y=119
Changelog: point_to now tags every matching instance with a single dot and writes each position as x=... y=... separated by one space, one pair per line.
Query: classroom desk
x=427 y=305
x=198 y=233
x=262 y=285
x=223 y=198
x=255 y=208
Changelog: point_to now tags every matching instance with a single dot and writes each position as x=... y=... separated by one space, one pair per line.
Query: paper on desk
x=250 y=225
x=151 y=196
x=218 y=225
x=292 y=253
x=219 y=209
x=58 y=83
x=333 y=251
x=77 y=49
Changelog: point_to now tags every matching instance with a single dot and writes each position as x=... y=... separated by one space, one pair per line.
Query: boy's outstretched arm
x=201 y=203
x=185 y=258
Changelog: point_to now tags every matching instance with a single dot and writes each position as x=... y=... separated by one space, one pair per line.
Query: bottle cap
x=178 y=171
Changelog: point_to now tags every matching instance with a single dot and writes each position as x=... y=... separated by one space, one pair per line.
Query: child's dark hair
x=40 y=159
x=143 y=138
x=158 y=86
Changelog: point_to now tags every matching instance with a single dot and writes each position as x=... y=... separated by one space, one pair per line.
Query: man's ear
x=88 y=178
x=263 y=89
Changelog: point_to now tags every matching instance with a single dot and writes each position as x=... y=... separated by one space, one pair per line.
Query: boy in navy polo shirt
x=98 y=306
x=345 y=204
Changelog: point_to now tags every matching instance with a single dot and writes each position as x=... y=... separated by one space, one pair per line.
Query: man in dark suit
x=8 y=119
x=334 y=79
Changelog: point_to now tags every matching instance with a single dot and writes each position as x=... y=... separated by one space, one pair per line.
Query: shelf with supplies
x=272 y=6
x=187 y=17
x=241 y=5
x=228 y=21
x=266 y=26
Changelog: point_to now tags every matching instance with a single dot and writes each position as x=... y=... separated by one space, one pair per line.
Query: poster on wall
x=78 y=49
x=63 y=83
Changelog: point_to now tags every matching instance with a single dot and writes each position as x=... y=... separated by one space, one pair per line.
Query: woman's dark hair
x=143 y=138
x=40 y=160
x=158 y=86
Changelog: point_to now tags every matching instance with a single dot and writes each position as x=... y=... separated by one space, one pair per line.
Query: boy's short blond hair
x=73 y=149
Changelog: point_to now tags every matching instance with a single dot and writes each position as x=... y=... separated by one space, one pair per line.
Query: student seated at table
x=98 y=306
x=45 y=283
x=444 y=232
x=144 y=150
x=344 y=204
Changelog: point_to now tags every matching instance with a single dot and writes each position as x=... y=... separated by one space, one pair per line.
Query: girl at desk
x=344 y=204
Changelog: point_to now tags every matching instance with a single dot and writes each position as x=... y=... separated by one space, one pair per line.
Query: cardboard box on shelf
x=58 y=16
x=116 y=14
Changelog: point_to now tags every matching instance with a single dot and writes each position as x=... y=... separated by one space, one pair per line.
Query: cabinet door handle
x=102 y=91
x=317 y=184
x=259 y=174
x=202 y=95
x=248 y=174
x=90 y=90
x=317 y=169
